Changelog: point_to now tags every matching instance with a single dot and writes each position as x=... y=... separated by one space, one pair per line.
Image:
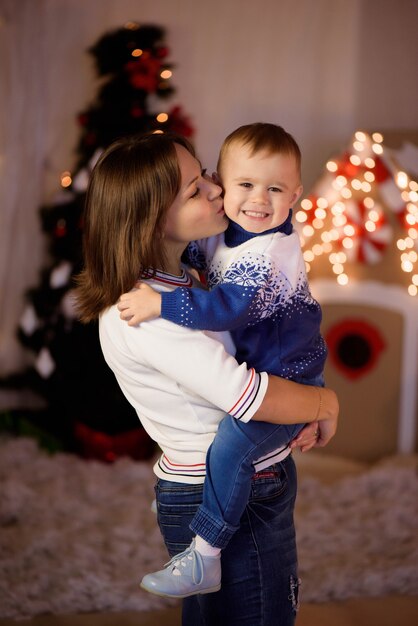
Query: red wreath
x=362 y=332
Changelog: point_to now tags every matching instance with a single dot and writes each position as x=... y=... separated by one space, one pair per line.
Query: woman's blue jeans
x=259 y=565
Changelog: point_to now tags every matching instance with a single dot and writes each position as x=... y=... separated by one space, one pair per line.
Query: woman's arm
x=287 y=402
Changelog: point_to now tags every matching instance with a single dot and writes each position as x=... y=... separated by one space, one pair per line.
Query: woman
x=147 y=199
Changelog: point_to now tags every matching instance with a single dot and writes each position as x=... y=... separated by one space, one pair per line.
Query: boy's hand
x=139 y=305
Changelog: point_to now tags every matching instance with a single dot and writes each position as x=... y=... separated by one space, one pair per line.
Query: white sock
x=205 y=548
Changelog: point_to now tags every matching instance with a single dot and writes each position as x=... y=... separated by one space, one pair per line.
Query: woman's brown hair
x=132 y=185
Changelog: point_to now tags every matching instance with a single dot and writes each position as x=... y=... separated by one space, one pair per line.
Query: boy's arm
x=243 y=300
x=225 y=307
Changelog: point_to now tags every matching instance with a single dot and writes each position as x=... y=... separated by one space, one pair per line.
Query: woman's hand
x=318 y=433
x=140 y=305
x=307 y=438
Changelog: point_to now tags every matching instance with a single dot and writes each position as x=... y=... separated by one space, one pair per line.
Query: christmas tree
x=85 y=409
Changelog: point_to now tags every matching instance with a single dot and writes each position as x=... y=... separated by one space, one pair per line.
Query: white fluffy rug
x=77 y=536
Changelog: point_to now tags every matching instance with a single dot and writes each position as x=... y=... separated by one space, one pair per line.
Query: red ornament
x=137 y=111
x=60 y=229
x=380 y=170
x=103 y=447
x=144 y=72
x=83 y=119
x=346 y=168
x=162 y=52
x=179 y=123
x=90 y=139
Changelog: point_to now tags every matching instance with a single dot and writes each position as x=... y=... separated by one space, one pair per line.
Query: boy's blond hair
x=262 y=137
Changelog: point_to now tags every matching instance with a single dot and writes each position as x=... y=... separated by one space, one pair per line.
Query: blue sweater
x=259 y=291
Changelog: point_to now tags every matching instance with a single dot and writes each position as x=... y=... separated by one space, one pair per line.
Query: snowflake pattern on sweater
x=258 y=290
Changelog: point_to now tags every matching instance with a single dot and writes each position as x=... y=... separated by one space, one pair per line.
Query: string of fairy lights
x=344 y=219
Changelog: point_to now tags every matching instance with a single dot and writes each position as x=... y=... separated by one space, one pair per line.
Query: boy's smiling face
x=260 y=188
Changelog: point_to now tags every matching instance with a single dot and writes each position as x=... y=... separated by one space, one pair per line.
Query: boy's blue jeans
x=259 y=565
x=229 y=469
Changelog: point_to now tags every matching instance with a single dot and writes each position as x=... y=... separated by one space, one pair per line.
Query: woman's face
x=197 y=211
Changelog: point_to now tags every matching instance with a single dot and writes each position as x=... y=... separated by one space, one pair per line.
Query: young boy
x=258 y=290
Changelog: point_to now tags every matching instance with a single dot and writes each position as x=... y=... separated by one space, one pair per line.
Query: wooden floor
x=387 y=611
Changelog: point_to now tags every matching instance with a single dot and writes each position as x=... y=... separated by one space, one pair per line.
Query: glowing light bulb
x=342 y=279
x=348 y=243
x=346 y=193
x=402 y=180
x=320 y=214
x=369 y=176
x=66 y=179
x=377 y=148
x=322 y=203
x=162 y=117
x=413 y=185
x=339 y=220
x=374 y=216
x=349 y=230
x=158 y=132
x=356 y=184
x=415 y=279
x=137 y=52
x=325 y=237
x=369 y=162
x=360 y=136
x=407 y=266
x=413 y=196
x=412 y=290
x=301 y=217
x=308 y=256
x=355 y=159
x=166 y=74
x=332 y=166
x=370 y=226
x=338 y=208
x=400 y=244
x=358 y=145
x=338 y=268
x=308 y=231
x=317 y=249
x=306 y=204
x=341 y=180
x=368 y=202
x=317 y=224
x=377 y=137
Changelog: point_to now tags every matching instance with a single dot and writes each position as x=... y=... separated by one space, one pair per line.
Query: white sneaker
x=187 y=574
